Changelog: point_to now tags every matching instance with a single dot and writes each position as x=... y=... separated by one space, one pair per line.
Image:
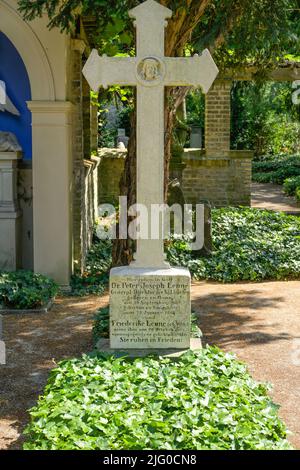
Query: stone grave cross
x=150 y=71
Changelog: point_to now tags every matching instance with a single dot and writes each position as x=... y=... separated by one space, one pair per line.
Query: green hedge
x=26 y=290
x=205 y=400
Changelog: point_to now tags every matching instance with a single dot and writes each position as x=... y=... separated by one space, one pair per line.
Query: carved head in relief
x=149 y=69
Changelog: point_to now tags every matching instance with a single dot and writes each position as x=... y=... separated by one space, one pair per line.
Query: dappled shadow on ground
x=260 y=323
x=34 y=344
x=230 y=318
x=271 y=196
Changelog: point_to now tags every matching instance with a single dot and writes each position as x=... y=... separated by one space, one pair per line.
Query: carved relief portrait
x=149 y=69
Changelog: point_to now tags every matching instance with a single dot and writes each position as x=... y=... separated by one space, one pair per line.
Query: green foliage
x=249 y=245
x=205 y=400
x=94 y=279
x=276 y=169
x=101 y=325
x=108 y=130
x=260 y=31
x=264 y=118
x=26 y=290
x=291 y=185
x=195 y=105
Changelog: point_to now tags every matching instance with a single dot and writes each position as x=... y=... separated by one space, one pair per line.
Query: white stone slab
x=150 y=308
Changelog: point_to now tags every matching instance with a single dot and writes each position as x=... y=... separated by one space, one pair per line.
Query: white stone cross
x=150 y=71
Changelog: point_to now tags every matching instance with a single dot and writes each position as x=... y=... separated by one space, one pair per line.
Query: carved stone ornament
x=9 y=142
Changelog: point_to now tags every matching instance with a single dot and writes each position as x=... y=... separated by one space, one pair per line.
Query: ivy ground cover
x=206 y=400
x=248 y=245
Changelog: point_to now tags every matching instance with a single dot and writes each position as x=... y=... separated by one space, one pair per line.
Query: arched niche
x=14 y=75
x=31 y=50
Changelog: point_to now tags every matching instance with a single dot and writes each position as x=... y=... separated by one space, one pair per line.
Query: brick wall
x=217 y=174
x=222 y=181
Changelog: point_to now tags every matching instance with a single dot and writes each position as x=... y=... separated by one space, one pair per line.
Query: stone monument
x=150 y=301
x=10 y=213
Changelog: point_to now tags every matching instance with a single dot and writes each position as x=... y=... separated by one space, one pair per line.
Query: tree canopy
x=237 y=32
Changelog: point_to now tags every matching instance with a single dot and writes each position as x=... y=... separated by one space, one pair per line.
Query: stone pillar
x=52 y=183
x=217 y=119
x=10 y=213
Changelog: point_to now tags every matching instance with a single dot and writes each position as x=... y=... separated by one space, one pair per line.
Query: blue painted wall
x=14 y=74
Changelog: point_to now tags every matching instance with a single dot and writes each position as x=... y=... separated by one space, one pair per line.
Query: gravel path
x=271 y=196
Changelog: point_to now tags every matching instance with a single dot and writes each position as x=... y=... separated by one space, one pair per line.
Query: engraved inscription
x=150 y=312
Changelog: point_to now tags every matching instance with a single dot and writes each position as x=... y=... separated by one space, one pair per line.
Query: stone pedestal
x=10 y=213
x=150 y=308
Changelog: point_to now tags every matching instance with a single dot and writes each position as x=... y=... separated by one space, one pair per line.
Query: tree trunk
x=123 y=249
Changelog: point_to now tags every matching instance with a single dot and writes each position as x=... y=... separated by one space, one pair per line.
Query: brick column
x=217 y=119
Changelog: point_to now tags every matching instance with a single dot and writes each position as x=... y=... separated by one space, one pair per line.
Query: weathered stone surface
x=104 y=346
x=150 y=308
x=10 y=214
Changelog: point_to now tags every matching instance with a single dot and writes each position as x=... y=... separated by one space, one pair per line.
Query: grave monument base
x=150 y=308
x=102 y=346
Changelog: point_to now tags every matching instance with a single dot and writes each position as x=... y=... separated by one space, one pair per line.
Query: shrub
x=26 y=290
x=94 y=280
x=205 y=400
x=263 y=118
x=101 y=324
x=291 y=185
x=276 y=169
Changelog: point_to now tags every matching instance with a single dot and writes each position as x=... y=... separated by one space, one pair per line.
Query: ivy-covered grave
x=206 y=400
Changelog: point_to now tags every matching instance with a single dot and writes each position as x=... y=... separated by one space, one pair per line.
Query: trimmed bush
x=205 y=400
x=26 y=290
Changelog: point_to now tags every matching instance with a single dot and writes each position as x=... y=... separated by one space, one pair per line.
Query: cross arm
x=198 y=71
x=107 y=71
